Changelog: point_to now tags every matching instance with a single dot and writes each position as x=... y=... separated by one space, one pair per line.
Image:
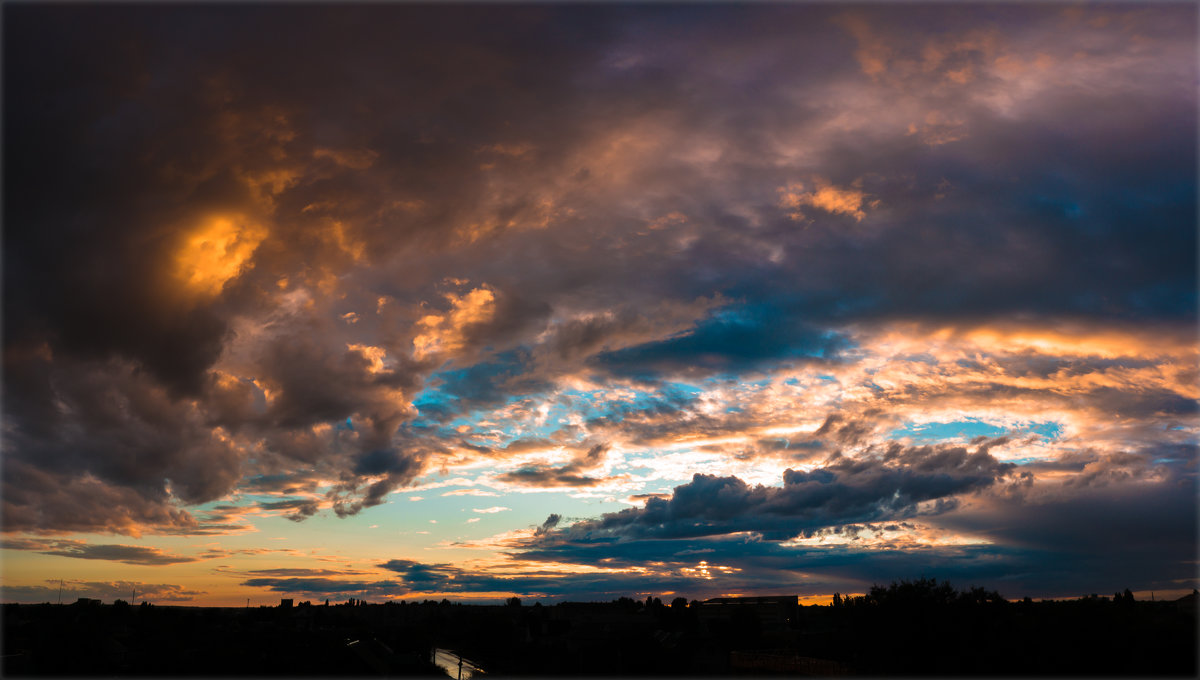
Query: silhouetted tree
x=977 y=595
x=626 y=603
x=922 y=592
x=513 y=601
x=679 y=603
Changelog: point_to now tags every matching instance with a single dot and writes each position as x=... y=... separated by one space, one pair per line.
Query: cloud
x=216 y=253
x=491 y=510
x=825 y=196
x=44 y=501
x=593 y=227
x=420 y=578
x=109 y=470
x=469 y=492
x=324 y=588
x=738 y=338
x=301 y=509
x=891 y=484
x=129 y=554
x=284 y=483
x=298 y=572
x=564 y=475
x=551 y=521
x=107 y=591
x=444 y=333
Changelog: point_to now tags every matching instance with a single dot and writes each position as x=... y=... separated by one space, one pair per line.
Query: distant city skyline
x=576 y=302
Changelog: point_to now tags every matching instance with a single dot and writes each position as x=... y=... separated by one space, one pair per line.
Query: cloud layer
x=840 y=267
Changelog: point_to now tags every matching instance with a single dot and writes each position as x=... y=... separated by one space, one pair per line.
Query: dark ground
x=915 y=628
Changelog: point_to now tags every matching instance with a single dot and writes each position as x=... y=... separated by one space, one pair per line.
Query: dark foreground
x=910 y=629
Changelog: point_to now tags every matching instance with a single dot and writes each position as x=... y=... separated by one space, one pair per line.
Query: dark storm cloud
x=107 y=452
x=547 y=475
x=42 y=501
x=1044 y=567
x=572 y=159
x=1141 y=533
x=294 y=572
x=766 y=567
x=581 y=337
x=347 y=501
x=318 y=587
x=278 y=483
x=551 y=521
x=889 y=485
x=300 y=509
x=420 y=577
x=107 y=591
x=129 y=554
x=383 y=462
x=94 y=250
x=735 y=339
x=1122 y=527
x=570 y=474
x=844 y=431
x=323 y=384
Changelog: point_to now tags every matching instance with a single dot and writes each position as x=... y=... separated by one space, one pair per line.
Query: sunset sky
x=573 y=302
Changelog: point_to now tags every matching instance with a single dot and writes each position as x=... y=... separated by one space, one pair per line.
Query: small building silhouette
x=776 y=612
x=285 y=602
x=1187 y=603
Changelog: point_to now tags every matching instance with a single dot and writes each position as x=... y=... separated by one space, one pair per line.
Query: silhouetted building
x=772 y=612
x=285 y=602
x=1187 y=603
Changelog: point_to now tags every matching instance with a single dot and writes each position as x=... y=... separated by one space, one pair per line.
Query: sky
x=574 y=302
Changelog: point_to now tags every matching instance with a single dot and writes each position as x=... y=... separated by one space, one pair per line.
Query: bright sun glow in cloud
x=825 y=196
x=445 y=333
x=216 y=252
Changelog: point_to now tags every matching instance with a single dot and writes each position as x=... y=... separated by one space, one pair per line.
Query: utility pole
x=60 y=585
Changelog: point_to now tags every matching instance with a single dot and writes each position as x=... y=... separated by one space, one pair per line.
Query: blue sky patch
x=969 y=428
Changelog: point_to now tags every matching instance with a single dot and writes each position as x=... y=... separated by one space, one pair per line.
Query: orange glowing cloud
x=445 y=333
x=824 y=196
x=217 y=252
x=377 y=356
